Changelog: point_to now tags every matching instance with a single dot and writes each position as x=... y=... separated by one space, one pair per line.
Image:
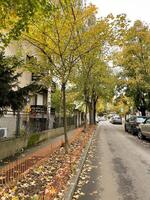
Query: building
x=37 y=114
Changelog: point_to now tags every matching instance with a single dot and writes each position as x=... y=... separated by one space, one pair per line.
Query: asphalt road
x=117 y=167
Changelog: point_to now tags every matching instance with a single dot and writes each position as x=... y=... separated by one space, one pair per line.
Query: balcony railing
x=41 y=109
x=38 y=109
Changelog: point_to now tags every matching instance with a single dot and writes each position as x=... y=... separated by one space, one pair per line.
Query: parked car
x=102 y=118
x=132 y=124
x=116 y=120
x=144 y=129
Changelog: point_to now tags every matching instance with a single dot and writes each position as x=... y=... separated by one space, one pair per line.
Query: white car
x=144 y=129
x=116 y=120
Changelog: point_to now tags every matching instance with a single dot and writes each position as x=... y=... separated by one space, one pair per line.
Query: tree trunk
x=94 y=109
x=65 y=118
x=143 y=111
x=90 y=112
x=86 y=109
x=85 y=117
x=18 y=124
x=93 y=112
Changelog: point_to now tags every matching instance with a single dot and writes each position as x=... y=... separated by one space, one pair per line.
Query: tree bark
x=95 y=111
x=65 y=118
x=18 y=124
x=90 y=112
x=85 y=117
x=143 y=111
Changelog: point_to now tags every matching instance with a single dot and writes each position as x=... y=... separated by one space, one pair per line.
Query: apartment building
x=38 y=114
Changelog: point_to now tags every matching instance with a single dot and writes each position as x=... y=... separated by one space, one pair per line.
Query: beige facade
x=25 y=79
x=36 y=110
x=26 y=50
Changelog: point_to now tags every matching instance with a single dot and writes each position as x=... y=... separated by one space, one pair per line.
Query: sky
x=135 y=9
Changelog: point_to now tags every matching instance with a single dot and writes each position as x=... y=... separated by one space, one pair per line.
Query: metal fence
x=24 y=123
x=15 y=170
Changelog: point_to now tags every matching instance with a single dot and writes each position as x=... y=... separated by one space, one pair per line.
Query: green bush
x=33 y=139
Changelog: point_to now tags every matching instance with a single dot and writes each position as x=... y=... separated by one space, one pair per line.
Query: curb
x=74 y=180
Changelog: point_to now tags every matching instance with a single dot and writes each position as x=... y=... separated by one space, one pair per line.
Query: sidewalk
x=18 y=166
x=53 y=173
x=89 y=182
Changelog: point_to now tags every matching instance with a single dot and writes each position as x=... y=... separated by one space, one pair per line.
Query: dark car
x=116 y=120
x=132 y=124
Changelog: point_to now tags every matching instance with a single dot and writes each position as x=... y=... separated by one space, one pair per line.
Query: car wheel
x=140 y=135
x=125 y=128
x=132 y=132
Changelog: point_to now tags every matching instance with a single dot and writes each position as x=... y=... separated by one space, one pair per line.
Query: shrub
x=33 y=139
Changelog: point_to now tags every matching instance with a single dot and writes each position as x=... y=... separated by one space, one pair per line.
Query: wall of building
x=8 y=122
x=13 y=145
x=25 y=51
x=25 y=79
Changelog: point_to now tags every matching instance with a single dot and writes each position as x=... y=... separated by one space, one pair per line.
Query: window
x=148 y=121
x=141 y=119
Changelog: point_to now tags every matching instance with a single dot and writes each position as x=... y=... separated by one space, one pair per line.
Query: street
x=117 y=167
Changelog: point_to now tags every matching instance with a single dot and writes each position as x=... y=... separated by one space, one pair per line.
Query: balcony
x=38 y=109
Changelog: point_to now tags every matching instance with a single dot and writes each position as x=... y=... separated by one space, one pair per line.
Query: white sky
x=135 y=9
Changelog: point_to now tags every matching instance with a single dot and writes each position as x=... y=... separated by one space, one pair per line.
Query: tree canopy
x=134 y=60
x=74 y=48
x=15 y=16
x=11 y=95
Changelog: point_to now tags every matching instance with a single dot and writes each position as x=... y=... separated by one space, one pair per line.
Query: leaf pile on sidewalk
x=89 y=178
x=49 y=180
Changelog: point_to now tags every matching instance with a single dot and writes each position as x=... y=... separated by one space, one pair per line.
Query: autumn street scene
x=115 y=168
x=74 y=100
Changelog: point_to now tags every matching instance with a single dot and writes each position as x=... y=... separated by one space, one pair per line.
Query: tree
x=102 y=86
x=56 y=36
x=94 y=77
x=11 y=95
x=134 y=60
x=94 y=81
x=122 y=105
x=15 y=16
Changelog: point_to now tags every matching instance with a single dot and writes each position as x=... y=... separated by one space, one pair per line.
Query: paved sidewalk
x=88 y=187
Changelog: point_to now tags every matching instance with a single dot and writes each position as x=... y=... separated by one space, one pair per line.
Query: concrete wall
x=13 y=145
x=51 y=134
x=8 y=122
